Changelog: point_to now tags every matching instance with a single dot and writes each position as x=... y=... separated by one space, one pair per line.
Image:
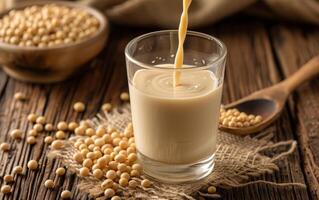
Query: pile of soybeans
x=46 y=26
x=235 y=118
x=103 y=152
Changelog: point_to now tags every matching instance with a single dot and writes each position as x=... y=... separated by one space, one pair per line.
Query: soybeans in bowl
x=47 y=41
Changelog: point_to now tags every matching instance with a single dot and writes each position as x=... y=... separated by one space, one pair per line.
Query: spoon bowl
x=270 y=101
x=263 y=107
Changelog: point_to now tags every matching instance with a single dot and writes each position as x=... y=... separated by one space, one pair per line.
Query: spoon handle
x=305 y=73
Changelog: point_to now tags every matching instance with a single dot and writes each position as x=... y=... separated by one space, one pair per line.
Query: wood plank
x=14 y=112
x=295 y=46
x=251 y=67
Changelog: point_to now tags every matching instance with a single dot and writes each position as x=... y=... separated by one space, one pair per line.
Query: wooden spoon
x=270 y=101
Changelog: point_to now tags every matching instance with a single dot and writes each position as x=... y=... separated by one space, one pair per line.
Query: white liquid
x=175 y=125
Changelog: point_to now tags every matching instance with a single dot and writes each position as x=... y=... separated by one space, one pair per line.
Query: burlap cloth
x=238 y=159
x=166 y=13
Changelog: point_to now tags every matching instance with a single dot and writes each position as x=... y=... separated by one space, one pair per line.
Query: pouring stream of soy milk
x=179 y=59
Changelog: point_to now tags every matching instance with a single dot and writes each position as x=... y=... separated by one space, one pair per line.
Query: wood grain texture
x=294 y=47
x=251 y=66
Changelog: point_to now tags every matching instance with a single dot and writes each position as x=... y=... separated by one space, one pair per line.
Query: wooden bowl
x=52 y=64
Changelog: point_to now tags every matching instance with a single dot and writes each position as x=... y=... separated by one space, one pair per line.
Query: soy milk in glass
x=175 y=120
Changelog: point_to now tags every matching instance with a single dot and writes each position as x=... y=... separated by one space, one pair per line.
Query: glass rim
x=162 y=32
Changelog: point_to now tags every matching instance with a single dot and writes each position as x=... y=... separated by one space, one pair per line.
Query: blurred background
x=165 y=13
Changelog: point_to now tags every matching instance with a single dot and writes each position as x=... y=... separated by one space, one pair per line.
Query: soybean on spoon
x=270 y=101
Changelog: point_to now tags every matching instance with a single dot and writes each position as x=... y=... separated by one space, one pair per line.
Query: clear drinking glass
x=175 y=127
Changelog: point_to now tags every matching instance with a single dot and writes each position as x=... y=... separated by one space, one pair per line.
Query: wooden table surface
x=259 y=55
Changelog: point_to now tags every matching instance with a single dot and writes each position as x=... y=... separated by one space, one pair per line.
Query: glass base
x=175 y=173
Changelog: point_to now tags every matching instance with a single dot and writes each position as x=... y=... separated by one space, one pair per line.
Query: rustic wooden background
x=260 y=53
